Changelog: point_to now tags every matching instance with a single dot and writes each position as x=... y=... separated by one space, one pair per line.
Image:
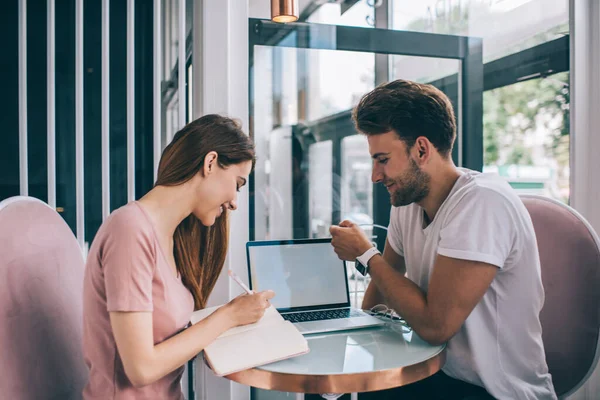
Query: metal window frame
x=51 y=100
x=156 y=85
x=170 y=87
x=131 y=100
x=23 y=162
x=79 y=126
x=105 y=109
x=468 y=50
x=536 y=62
x=182 y=67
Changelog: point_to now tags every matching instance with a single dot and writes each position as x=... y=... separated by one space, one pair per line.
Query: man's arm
x=373 y=296
x=455 y=288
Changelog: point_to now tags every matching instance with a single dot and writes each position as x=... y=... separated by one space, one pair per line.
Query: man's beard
x=411 y=187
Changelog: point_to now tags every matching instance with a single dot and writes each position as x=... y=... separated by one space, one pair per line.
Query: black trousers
x=437 y=387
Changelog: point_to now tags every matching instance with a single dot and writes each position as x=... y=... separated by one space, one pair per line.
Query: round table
x=350 y=362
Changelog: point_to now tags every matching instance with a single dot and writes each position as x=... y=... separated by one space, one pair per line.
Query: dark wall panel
x=65 y=104
x=9 y=101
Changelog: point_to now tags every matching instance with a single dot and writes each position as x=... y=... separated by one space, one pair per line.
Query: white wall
x=585 y=129
x=220 y=68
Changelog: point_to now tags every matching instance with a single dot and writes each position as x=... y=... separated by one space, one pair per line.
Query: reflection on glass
x=172 y=119
x=280 y=189
x=320 y=188
x=424 y=69
x=327 y=354
x=170 y=35
x=526 y=135
x=285 y=87
x=357 y=351
x=358 y=358
x=506 y=26
x=337 y=80
x=296 y=91
x=361 y=14
x=357 y=188
x=190 y=100
x=357 y=201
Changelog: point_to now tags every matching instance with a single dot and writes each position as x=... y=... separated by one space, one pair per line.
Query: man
x=460 y=263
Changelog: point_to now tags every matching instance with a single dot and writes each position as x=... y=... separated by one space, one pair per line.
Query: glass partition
x=313 y=168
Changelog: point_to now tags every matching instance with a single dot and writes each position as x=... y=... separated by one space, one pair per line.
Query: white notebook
x=270 y=339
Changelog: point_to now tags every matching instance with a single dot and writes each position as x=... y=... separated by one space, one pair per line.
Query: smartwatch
x=362 y=261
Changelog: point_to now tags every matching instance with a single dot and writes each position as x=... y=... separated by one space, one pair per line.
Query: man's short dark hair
x=409 y=109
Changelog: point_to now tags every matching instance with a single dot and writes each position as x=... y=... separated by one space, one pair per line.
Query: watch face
x=361 y=268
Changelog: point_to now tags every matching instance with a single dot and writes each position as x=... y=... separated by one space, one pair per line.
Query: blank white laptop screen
x=301 y=274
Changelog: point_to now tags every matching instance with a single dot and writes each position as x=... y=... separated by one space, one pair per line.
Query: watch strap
x=362 y=264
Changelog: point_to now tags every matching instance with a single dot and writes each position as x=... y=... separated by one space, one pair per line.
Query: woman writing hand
x=249 y=308
x=156 y=260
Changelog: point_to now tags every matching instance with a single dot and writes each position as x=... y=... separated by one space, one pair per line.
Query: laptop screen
x=303 y=274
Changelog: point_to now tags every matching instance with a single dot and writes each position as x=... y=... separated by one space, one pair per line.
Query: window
x=506 y=26
x=526 y=81
x=361 y=14
x=302 y=95
x=526 y=135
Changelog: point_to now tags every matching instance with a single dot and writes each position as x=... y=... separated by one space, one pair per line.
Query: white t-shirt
x=499 y=347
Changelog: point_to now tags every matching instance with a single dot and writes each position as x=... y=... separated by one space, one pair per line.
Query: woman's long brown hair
x=200 y=250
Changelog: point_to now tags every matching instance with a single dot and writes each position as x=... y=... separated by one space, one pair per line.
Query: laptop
x=310 y=284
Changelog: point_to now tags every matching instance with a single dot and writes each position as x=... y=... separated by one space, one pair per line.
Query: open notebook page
x=263 y=345
x=270 y=317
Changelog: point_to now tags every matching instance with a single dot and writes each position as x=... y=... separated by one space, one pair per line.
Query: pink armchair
x=41 y=289
x=570 y=259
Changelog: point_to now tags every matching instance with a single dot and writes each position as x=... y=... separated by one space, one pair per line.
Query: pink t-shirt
x=126 y=270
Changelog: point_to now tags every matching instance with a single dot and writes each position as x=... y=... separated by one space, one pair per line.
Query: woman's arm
x=146 y=363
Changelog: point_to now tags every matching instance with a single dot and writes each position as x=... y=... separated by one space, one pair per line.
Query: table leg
x=353 y=396
x=299 y=396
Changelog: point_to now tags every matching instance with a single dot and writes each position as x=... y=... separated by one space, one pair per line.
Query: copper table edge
x=340 y=383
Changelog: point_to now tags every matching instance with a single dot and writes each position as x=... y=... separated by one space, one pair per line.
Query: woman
x=156 y=260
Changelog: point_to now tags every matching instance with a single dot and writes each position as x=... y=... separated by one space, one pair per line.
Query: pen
x=239 y=282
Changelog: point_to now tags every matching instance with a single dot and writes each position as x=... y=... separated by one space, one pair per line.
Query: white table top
x=351 y=361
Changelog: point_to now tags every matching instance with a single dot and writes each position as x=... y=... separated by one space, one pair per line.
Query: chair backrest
x=41 y=293
x=570 y=261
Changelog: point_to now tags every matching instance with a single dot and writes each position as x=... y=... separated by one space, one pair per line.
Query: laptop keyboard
x=321 y=315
